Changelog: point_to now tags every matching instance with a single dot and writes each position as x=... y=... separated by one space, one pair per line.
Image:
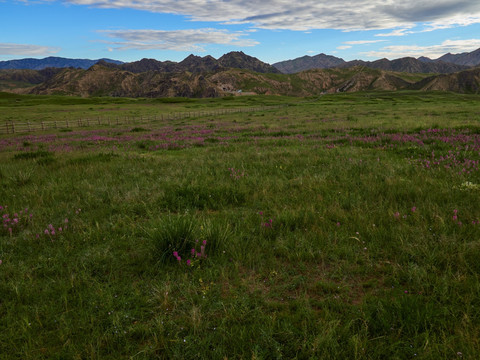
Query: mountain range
x=234 y=59
x=236 y=73
x=51 y=62
x=448 y=63
x=197 y=64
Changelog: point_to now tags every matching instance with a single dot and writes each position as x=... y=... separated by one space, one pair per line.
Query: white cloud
x=455 y=21
x=179 y=40
x=305 y=15
x=26 y=50
x=348 y=44
x=397 y=32
x=432 y=51
x=362 y=42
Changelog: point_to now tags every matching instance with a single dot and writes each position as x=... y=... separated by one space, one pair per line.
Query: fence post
x=28 y=126
x=13 y=128
x=6 y=126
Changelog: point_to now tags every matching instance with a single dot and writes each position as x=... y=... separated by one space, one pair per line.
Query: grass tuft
x=174 y=233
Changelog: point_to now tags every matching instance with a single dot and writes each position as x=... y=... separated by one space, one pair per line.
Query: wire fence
x=11 y=127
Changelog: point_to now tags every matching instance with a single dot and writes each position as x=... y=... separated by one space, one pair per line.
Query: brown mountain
x=406 y=64
x=468 y=59
x=320 y=61
x=197 y=64
x=239 y=60
x=145 y=65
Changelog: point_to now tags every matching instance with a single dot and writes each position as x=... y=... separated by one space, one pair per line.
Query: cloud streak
x=362 y=42
x=305 y=15
x=396 y=32
x=26 y=50
x=431 y=51
x=178 y=40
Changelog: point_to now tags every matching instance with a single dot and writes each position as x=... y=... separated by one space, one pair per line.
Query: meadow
x=340 y=227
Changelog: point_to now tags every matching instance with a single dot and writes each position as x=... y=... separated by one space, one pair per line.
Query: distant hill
x=320 y=61
x=24 y=78
x=468 y=59
x=51 y=62
x=406 y=64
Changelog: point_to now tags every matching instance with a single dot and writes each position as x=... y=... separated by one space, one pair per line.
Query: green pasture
x=344 y=226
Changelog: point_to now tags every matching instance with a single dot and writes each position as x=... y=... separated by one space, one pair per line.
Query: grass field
x=339 y=227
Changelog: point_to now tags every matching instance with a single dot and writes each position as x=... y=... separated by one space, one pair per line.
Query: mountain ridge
x=51 y=62
x=236 y=72
x=448 y=63
x=192 y=63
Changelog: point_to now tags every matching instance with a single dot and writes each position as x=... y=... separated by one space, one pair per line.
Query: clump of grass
x=24 y=176
x=174 y=233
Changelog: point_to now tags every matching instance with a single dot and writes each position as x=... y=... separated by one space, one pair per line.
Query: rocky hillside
x=107 y=80
x=467 y=81
x=102 y=80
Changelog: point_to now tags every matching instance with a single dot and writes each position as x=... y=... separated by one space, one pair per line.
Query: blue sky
x=271 y=30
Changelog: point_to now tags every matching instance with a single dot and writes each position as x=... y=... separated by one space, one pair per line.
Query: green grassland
x=339 y=227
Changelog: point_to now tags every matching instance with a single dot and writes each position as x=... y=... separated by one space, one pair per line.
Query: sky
x=271 y=30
